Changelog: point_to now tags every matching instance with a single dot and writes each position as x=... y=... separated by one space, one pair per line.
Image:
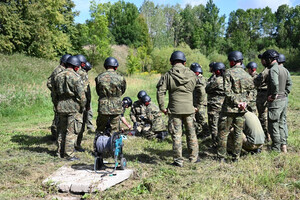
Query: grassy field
x=27 y=155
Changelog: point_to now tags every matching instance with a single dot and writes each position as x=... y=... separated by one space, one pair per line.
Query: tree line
x=47 y=29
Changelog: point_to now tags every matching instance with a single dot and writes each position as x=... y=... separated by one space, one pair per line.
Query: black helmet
x=74 y=61
x=211 y=64
x=281 y=58
x=269 y=54
x=177 y=55
x=141 y=94
x=88 y=66
x=110 y=62
x=218 y=66
x=127 y=101
x=251 y=65
x=146 y=99
x=195 y=67
x=81 y=58
x=64 y=58
x=235 y=56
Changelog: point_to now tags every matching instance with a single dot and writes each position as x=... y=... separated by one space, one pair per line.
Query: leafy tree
x=38 y=28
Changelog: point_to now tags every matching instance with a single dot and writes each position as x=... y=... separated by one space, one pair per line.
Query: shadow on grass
x=26 y=141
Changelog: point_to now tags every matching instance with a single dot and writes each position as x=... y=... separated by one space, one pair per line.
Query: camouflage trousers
x=247 y=146
x=68 y=127
x=261 y=104
x=108 y=120
x=252 y=106
x=145 y=130
x=175 y=129
x=54 y=125
x=277 y=123
x=213 y=121
x=226 y=121
x=87 y=121
x=201 y=124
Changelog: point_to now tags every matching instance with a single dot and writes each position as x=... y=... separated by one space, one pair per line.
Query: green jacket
x=56 y=71
x=68 y=92
x=137 y=110
x=253 y=129
x=199 y=94
x=110 y=86
x=180 y=83
x=279 y=81
x=154 y=117
x=237 y=86
x=215 y=92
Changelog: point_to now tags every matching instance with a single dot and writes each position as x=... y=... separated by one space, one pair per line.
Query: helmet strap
x=76 y=68
x=232 y=63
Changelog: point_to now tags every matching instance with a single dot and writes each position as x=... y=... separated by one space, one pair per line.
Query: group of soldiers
x=231 y=98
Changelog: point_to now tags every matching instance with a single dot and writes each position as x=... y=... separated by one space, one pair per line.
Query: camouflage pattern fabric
x=105 y=120
x=215 y=99
x=69 y=125
x=237 y=85
x=69 y=94
x=110 y=86
x=138 y=110
x=260 y=83
x=247 y=145
x=50 y=83
x=175 y=129
x=252 y=96
x=279 y=86
x=200 y=102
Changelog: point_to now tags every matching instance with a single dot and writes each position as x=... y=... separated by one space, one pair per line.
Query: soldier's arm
x=289 y=83
x=228 y=91
x=200 y=94
x=49 y=83
x=161 y=92
x=97 y=85
x=80 y=93
x=274 y=87
x=124 y=85
x=88 y=97
x=132 y=115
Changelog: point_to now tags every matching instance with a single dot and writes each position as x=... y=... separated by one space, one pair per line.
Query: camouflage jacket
x=260 y=81
x=237 y=85
x=154 y=117
x=279 y=81
x=253 y=92
x=110 y=86
x=180 y=82
x=138 y=110
x=68 y=92
x=56 y=71
x=199 y=94
x=215 y=91
x=85 y=79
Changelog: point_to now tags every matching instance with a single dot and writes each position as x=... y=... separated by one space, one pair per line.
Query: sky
x=225 y=6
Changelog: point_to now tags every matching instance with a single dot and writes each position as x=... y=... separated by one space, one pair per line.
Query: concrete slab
x=81 y=178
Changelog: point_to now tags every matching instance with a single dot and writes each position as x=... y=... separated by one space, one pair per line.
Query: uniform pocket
x=78 y=121
x=273 y=110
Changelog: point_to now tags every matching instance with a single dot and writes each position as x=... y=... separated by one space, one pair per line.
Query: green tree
x=38 y=28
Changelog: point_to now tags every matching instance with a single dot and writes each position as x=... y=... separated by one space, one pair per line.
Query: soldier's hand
x=129 y=126
x=196 y=110
x=165 y=111
x=270 y=99
x=242 y=105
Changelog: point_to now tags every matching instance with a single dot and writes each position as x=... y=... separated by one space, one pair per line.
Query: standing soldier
x=251 y=67
x=138 y=111
x=180 y=83
x=154 y=126
x=237 y=84
x=281 y=60
x=110 y=86
x=69 y=98
x=50 y=81
x=215 y=98
x=260 y=82
x=200 y=100
x=279 y=86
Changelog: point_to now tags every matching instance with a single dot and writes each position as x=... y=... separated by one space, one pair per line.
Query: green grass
x=27 y=155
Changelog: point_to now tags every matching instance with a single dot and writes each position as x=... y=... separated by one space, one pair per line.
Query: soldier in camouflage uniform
x=110 y=86
x=260 y=82
x=69 y=100
x=50 y=81
x=279 y=86
x=153 y=126
x=237 y=85
x=215 y=98
x=180 y=83
x=87 y=113
x=138 y=111
x=251 y=67
x=200 y=95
